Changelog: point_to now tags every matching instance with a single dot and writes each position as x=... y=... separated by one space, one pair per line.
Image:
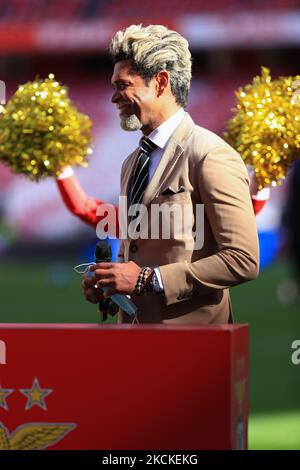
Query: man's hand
x=119 y=278
x=90 y=292
x=95 y=295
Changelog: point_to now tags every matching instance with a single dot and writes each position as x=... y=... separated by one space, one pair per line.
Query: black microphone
x=103 y=254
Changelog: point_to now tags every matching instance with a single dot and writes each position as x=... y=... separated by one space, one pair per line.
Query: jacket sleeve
x=224 y=189
x=79 y=203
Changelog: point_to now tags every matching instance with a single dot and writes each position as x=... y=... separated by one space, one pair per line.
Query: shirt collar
x=162 y=133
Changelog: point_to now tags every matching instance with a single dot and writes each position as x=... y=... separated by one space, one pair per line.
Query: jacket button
x=133 y=248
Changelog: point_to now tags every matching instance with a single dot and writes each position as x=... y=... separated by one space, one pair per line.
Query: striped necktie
x=140 y=178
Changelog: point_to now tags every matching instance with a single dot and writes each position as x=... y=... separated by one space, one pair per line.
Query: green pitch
x=274 y=381
x=50 y=292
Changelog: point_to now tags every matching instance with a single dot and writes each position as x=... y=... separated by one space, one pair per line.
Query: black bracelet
x=142 y=279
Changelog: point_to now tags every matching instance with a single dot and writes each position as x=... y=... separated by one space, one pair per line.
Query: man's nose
x=115 y=97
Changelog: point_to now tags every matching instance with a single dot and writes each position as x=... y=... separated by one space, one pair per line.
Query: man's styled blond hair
x=154 y=48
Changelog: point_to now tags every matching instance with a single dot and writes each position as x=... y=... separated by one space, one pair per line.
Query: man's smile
x=125 y=109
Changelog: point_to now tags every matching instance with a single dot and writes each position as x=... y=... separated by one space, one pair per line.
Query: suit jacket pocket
x=183 y=196
x=169 y=191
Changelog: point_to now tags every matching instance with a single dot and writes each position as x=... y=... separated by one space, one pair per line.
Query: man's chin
x=131 y=123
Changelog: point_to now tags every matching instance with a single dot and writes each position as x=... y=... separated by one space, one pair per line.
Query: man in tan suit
x=188 y=171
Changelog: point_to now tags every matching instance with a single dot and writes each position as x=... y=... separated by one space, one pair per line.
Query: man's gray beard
x=131 y=123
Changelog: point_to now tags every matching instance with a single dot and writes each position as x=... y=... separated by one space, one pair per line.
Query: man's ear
x=162 y=81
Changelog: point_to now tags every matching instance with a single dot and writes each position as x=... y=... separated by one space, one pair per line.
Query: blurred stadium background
x=40 y=241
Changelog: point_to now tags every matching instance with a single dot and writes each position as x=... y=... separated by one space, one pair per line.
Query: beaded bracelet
x=142 y=279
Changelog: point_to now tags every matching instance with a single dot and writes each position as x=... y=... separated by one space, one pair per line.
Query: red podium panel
x=123 y=387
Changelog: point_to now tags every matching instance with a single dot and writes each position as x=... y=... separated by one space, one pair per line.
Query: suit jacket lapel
x=127 y=172
x=167 y=162
x=173 y=151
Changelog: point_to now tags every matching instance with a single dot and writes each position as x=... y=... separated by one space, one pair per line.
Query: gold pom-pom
x=41 y=131
x=265 y=128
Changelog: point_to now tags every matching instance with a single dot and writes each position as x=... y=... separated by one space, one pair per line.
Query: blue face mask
x=121 y=300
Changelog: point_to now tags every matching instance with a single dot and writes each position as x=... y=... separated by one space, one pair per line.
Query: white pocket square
x=170 y=190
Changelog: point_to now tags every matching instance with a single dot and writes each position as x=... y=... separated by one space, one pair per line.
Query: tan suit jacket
x=204 y=169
